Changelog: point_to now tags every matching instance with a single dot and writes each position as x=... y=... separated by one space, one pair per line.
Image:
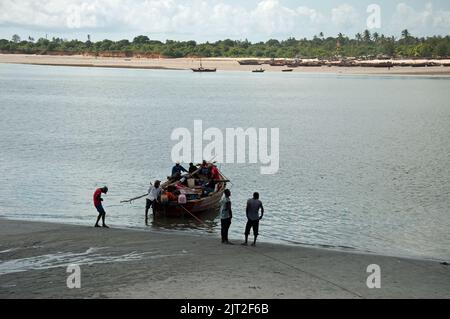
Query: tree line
x=365 y=44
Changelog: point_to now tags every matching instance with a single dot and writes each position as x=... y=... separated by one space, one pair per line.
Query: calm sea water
x=364 y=161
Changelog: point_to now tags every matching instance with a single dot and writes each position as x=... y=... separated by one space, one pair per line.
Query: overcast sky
x=210 y=20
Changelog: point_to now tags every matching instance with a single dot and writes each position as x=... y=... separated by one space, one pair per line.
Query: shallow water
x=364 y=161
x=91 y=256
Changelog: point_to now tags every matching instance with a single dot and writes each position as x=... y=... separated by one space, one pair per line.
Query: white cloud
x=314 y=16
x=202 y=19
x=271 y=18
x=345 y=17
x=194 y=17
x=406 y=17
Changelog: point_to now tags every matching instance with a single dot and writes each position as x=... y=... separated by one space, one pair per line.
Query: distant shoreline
x=222 y=64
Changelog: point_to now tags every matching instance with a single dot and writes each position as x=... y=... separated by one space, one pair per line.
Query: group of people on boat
x=199 y=181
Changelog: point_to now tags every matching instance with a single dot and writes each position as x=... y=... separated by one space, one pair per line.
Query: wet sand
x=222 y=64
x=118 y=263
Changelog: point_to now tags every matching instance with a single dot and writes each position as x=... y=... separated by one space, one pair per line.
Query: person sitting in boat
x=178 y=169
x=192 y=168
x=209 y=188
x=215 y=175
x=170 y=193
x=205 y=169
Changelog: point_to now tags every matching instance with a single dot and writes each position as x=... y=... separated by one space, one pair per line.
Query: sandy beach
x=118 y=263
x=222 y=64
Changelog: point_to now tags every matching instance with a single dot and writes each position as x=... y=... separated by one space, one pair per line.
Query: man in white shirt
x=154 y=192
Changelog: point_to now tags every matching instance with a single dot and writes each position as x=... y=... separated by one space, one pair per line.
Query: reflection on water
x=207 y=222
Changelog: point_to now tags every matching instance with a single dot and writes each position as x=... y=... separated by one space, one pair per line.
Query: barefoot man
x=253 y=218
x=98 y=205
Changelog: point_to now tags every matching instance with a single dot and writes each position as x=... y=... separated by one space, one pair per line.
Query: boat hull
x=204 y=70
x=204 y=205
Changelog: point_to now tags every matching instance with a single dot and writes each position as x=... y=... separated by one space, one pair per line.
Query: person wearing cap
x=98 y=205
x=154 y=192
x=178 y=169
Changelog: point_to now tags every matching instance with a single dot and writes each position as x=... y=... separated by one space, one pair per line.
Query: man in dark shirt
x=178 y=169
x=98 y=205
x=192 y=168
x=253 y=218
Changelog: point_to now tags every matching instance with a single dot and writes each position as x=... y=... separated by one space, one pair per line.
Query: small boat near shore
x=201 y=69
x=192 y=201
x=287 y=70
x=259 y=70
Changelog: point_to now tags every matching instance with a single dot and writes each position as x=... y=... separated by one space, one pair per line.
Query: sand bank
x=222 y=64
x=119 y=263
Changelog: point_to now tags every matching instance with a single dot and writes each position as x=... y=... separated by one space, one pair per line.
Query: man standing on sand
x=98 y=205
x=225 y=216
x=253 y=218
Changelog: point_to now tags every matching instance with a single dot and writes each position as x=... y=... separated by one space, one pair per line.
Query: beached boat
x=278 y=63
x=380 y=65
x=196 y=204
x=287 y=70
x=259 y=70
x=249 y=62
x=311 y=64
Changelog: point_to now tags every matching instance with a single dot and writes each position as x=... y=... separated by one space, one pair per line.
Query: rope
x=198 y=219
x=306 y=272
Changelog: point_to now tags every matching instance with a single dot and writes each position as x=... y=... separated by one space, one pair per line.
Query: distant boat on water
x=202 y=69
x=287 y=70
x=259 y=70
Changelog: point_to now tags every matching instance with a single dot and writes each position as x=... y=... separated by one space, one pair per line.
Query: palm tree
x=405 y=34
x=375 y=36
x=15 y=38
x=358 y=37
x=366 y=36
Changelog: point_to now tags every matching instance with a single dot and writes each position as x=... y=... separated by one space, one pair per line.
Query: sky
x=211 y=20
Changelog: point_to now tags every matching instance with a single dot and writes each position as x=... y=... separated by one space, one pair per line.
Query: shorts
x=252 y=224
x=100 y=210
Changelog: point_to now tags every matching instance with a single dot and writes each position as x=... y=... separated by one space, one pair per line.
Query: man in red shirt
x=98 y=205
x=215 y=173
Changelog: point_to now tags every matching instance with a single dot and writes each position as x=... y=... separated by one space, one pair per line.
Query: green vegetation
x=363 y=44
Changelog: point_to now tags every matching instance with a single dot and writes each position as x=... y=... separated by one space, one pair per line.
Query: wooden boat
x=382 y=65
x=259 y=70
x=311 y=64
x=277 y=63
x=287 y=70
x=194 y=207
x=202 y=69
x=249 y=62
